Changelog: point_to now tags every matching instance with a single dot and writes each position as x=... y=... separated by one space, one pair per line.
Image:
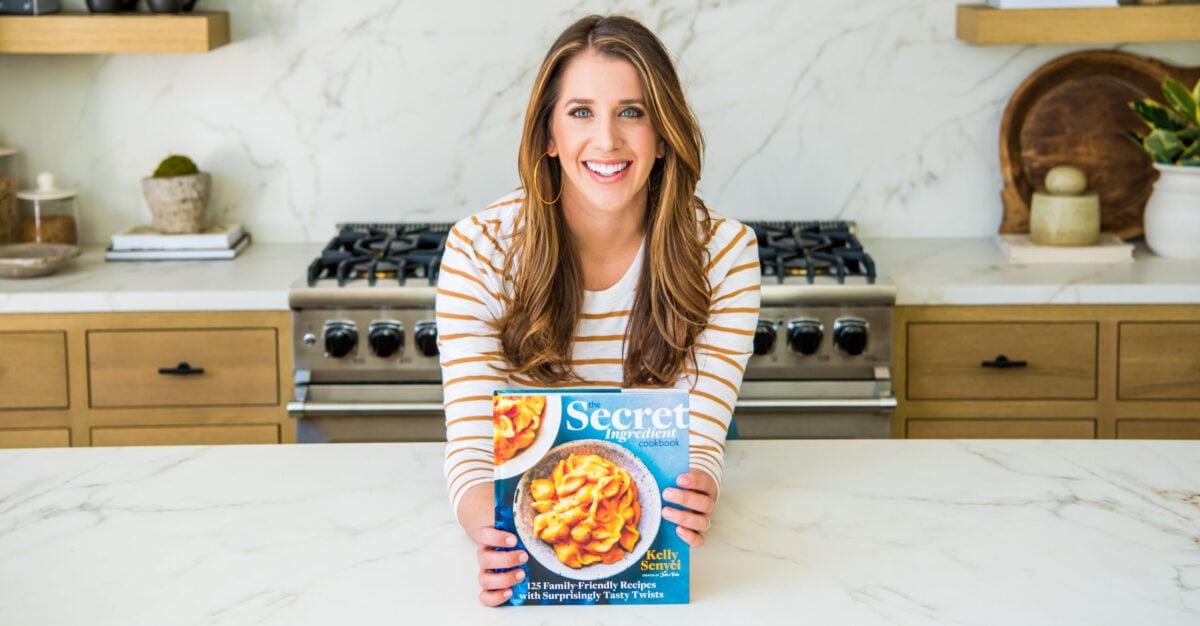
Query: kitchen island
x=820 y=532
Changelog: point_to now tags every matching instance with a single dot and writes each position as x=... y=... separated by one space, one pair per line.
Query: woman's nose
x=608 y=133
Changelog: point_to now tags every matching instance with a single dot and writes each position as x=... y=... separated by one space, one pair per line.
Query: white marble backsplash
x=323 y=112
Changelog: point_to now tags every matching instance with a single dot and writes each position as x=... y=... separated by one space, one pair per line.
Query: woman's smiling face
x=602 y=135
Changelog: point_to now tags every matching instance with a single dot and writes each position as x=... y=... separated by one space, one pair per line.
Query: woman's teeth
x=606 y=170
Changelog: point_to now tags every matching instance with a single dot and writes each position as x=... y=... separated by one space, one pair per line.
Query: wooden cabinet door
x=1000 y=429
x=1158 y=429
x=33 y=370
x=35 y=438
x=240 y=368
x=1159 y=361
x=185 y=435
x=945 y=361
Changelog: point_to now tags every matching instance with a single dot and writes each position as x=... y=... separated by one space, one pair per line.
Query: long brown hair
x=671 y=302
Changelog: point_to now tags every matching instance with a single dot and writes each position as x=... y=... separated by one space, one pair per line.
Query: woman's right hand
x=495 y=583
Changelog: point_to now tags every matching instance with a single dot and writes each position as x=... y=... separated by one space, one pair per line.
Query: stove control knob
x=340 y=338
x=850 y=334
x=386 y=338
x=764 y=337
x=805 y=335
x=426 y=336
x=309 y=339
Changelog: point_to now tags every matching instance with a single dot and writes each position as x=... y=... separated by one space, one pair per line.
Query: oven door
x=834 y=409
x=354 y=413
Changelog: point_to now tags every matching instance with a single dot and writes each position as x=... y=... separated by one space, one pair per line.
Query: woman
x=604 y=269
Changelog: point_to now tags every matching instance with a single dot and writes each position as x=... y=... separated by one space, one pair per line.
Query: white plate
x=546 y=434
x=24 y=260
x=648 y=496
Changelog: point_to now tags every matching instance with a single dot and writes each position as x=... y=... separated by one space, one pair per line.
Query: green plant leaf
x=1196 y=91
x=1189 y=134
x=1181 y=100
x=1163 y=146
x=1190 y=155
x=1157 y=116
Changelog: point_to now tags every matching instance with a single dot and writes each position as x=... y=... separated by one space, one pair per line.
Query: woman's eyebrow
x=590 y=101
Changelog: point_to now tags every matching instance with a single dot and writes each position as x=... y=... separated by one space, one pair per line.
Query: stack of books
x=144 y=243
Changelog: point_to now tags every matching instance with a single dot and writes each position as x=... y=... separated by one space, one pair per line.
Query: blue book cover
x=579 y=481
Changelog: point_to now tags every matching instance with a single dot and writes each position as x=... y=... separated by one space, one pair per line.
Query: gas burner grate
x=382 y=251
x=812 y=249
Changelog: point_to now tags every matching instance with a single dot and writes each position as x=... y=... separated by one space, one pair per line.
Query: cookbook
x=579 y=481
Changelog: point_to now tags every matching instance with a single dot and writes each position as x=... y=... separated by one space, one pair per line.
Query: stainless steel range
x=365 y=339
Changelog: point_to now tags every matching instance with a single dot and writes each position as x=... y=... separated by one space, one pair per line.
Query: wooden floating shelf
x=84 y=33
x=982 y=25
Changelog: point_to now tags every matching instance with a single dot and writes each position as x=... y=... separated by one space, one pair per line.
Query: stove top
x=811 y=250
x=393 y=252
x=366 y=255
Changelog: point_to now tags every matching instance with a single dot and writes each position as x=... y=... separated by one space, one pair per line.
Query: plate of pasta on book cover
x=524 y=427
x=588 y=510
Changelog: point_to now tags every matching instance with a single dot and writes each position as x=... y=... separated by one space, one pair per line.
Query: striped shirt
x=468 y=300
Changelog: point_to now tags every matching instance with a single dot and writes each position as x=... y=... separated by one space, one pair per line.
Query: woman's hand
x=476 y=514
x=497 y=585
x=696 y=498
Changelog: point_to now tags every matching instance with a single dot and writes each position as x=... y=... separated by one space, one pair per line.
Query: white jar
x=1172 y=217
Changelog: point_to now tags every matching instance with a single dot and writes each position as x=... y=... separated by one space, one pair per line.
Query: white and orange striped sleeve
x=468 y=300
x=724 y=347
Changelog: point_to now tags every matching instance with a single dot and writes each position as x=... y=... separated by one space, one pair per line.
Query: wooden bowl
x=1074 y=111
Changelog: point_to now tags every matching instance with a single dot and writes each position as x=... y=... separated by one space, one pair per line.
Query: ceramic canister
x=1065 y=215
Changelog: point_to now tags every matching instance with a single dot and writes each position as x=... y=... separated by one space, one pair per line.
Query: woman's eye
x=631 y=113
x=581 y=113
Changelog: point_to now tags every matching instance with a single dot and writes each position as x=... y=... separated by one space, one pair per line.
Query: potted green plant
x=177 y=194
x=1172 y=217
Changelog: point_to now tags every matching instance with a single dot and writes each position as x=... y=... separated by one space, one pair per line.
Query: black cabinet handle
x=183 y=369
x=1002 y=362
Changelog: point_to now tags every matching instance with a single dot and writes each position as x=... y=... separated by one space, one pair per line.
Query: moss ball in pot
x=177 y=194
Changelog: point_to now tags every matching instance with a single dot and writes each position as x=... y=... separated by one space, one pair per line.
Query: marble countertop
x=823 y=532
x=257 y=280
x=925 y=272
x=976 y=271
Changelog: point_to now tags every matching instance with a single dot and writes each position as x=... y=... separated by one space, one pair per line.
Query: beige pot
x=178 y=204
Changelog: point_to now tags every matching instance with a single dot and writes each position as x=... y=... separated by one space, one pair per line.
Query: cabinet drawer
x=240 y=368
x=945 y=361
x=35 y=438
x=33 y=370
x=1001 y=429
x=185 y=435
x=1159 y=361
x=1158 y=429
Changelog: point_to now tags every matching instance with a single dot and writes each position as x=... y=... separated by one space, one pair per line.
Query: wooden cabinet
x=1067 y=371
x=33 y=370
x=1001 y=361
x=120 y=379
x=159 y=368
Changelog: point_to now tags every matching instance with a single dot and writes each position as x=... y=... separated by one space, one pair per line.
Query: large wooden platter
x=1073 y=111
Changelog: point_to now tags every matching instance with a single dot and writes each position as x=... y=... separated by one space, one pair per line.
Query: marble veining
x=847 y=532
x=325 y=112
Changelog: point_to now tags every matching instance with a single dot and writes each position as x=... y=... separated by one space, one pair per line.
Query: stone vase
x=1172 y=217
x=178 y=204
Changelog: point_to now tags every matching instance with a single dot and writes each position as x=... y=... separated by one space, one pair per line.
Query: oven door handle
x=819 y=403
x=302 y=408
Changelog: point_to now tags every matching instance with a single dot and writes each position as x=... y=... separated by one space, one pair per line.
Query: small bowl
x=26 y=260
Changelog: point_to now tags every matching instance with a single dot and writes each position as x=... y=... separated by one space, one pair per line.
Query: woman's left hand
x=696 y=498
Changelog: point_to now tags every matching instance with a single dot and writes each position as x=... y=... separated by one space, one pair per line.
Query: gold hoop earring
x=535 y=183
